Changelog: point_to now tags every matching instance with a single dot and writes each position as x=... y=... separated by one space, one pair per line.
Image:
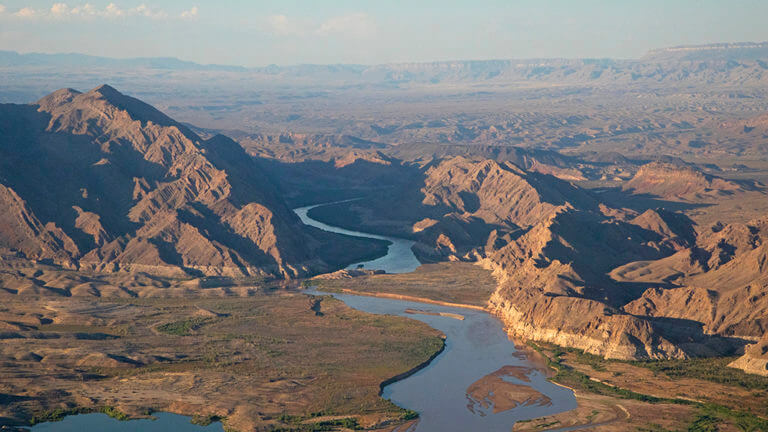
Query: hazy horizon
x=349 y=32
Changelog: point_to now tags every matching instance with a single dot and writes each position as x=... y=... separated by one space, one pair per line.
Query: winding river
x=399 y=257
x=480 y=382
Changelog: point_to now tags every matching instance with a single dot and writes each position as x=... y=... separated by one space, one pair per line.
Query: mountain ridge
x=575 y=271
x=102 y=181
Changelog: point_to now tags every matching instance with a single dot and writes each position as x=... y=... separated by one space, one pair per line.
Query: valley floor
x=271 y=359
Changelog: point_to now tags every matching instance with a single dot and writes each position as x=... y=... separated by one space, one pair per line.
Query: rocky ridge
x=102 y=181
x=678 y=182
x=755 y=359
x=576 y=272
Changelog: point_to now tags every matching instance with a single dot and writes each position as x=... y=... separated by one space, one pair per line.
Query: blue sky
x=262 y=32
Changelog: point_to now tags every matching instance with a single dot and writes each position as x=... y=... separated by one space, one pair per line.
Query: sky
x=286 y=32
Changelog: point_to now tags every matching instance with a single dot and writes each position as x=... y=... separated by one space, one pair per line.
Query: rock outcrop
x=755 y=358
x=573 y=271
x=678 y=182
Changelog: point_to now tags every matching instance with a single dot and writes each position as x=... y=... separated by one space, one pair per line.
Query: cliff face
x=679 y=182
x=575 y=271
x=102 y=181
x=755 y=358
x=553 y=286
x=585 y=324
x=610 y=281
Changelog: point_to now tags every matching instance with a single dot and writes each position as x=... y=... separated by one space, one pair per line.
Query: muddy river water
x=480 y=382
x=162 y=422
x=399 y=257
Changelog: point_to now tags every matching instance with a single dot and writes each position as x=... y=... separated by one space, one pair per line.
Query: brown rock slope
x=724 y=290
x=679 y=182
x=578 y=273
x=755 y=358
x=102 y=181
x=553 y=285
x=689 y=294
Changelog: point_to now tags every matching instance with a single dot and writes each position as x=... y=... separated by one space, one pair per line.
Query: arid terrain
x=613 y=214
x=212 y=355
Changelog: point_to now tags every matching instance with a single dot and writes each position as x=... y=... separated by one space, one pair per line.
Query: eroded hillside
x=577 y=270
x=102 y=181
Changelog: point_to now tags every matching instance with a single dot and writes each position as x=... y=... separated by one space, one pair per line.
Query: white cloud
x=26 y=12
x=354 y=25
x=189 y=14
x=2 y=9
x=359 y=25
x=283 y=26
x=112 y=11
x=59 y=9
x=87 y=10
x=149 y=12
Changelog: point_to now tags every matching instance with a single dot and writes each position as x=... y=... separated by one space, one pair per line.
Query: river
x=399 y=257
x=480 y=382
x=161 y=422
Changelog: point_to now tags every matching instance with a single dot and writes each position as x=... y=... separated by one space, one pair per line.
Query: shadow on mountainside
x=617 y=198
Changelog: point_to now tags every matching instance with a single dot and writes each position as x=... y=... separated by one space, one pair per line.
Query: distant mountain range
x=25 y=77
x=743 y=51
x=717 y=51
x=68 y=60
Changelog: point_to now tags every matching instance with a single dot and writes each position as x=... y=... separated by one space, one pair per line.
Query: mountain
x=553 y=246
x=734 y=62
x=724 y=287
x=743 y=62
x=102 y=181
x=574 y=271
x=717 y=51
x=74 y=60
x=680 y=182
x=296 y=147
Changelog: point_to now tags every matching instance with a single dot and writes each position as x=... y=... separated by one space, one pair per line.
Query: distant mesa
x=712 y=65
x=716 y=51
x=673 y=181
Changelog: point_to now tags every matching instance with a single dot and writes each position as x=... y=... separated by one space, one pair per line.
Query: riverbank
x=438 y=389
x=412 y=299
x=694 y=395
x=454 y=284
x=407 y=374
